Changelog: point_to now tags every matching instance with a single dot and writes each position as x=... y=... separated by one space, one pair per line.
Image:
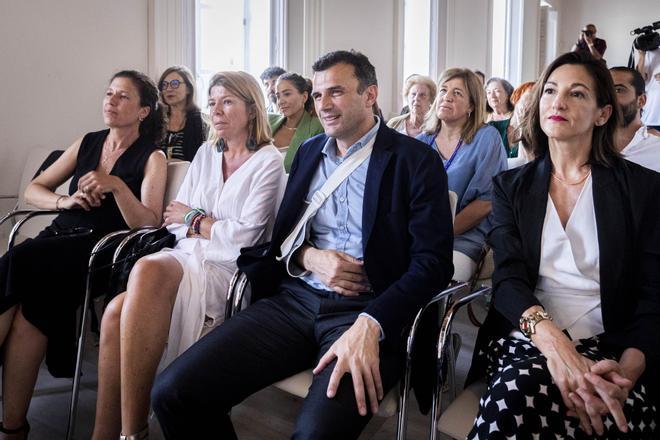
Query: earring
x=221 y=145
x=250 y=143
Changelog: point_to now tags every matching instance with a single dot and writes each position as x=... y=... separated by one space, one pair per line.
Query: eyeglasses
x=175 y=83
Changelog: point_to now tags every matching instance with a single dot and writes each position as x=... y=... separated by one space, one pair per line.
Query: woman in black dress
x=119 y=178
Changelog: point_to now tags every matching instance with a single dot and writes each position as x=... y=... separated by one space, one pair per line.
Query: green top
x=502 y=126
x=309 y=126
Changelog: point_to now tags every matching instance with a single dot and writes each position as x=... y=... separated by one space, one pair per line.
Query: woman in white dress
x=226 y=202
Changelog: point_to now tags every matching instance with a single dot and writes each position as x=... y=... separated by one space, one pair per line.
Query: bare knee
x=112 y=316
x=155 y=274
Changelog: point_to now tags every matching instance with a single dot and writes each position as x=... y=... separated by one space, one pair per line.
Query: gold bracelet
x=57 y=202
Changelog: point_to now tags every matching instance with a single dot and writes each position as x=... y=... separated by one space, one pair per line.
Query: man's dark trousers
x=272 y=339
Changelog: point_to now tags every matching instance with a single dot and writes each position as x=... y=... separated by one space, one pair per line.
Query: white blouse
x=569 y=269
x=243 y=207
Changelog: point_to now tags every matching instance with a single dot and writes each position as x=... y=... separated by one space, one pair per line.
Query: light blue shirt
x=470 y=176
x=337 y=224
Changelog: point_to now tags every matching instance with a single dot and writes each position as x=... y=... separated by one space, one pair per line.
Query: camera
x=647 y=39
x=588 y=33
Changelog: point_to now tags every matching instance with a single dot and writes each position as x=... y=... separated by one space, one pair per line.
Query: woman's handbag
x=148 y=243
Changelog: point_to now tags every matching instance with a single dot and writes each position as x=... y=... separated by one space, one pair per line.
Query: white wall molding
x=312 y=34
x=397 y=66
x=171 y=34
x=279 y=34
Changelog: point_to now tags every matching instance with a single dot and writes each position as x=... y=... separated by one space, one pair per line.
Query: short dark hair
x=271 y=72
x=508 y=88
x=603 y=150
x=153 y=126
x=365 y=72
x=302 y=85
x=637 y=79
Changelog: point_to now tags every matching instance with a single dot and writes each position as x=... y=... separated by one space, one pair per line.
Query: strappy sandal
x=143 y=434
x=25 y=429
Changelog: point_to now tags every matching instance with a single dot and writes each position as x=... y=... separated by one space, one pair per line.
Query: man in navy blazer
x=375 y=252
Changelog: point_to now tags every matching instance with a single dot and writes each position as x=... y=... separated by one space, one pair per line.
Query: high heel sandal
x=142 y=435
x=25 y=429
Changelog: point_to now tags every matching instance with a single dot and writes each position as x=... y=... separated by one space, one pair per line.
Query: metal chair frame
x=443 y=355
x=27 y=215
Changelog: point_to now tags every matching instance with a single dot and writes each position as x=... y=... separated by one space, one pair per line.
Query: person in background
x=472 y=154
x=295 y=123
x=418 y=93
x=520 y=100
x=590 y=44
x=225 y=203
x=633 y=139
x=268 y=80
x=500 y=111
x=648 y=65
x=187 y=126
x=118 y=182
x=570 y=345
x=481 y=76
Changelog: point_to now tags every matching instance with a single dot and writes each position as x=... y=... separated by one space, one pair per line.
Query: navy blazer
x=627 y=217
x=406 y=224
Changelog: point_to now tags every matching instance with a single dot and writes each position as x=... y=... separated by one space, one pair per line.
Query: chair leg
x=75 y=390
x=73 y=409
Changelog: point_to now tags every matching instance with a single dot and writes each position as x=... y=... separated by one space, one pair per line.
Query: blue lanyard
x=453 y=155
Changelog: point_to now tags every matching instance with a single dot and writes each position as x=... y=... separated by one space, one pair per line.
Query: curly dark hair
x=153 y=126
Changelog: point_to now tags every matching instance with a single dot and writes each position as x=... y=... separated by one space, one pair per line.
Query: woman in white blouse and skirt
x=570 y=347
x=226 y=202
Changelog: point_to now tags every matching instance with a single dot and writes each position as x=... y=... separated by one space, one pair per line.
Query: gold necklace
x=289 y=128
x=105 y=157
x=570 y=183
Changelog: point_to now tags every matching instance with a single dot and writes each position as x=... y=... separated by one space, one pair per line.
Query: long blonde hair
x=476 y=94
x=245 y=87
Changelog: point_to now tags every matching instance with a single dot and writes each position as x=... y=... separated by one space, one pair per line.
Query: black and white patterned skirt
x=522 y=401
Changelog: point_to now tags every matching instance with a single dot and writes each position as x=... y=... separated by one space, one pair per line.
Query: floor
x=269 y=414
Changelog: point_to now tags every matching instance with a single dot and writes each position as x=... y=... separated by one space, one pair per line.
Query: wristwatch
x=528 y=322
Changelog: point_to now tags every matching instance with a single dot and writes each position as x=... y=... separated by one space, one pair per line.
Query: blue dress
x=470 y=175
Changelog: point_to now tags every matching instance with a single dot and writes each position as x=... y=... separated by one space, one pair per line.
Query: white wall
x=613 y=18
x=317 y=27
x=468 y=34
x=56 y=60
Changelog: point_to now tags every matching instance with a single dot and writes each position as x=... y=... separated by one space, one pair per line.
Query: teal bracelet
x=190 y=215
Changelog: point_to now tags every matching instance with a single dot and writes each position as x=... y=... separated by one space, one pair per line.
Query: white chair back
x=176 y=172
x=31 y=228
x=515 y=162
x=453 y=200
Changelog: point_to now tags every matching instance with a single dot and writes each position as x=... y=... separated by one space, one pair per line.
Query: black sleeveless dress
x=47 y=274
